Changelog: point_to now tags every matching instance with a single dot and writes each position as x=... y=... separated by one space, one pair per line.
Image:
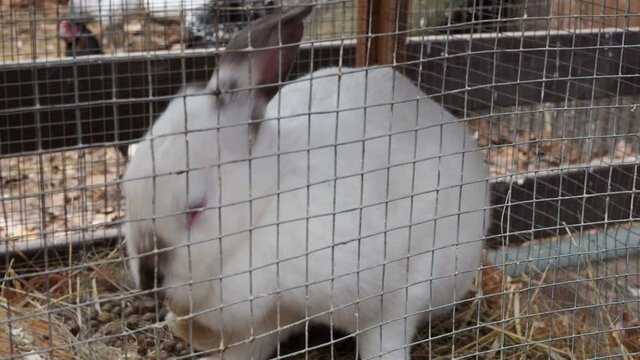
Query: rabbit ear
x=261 y=55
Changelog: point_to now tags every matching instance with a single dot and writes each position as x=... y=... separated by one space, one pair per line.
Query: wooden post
x=381 y=26
x=362 y=29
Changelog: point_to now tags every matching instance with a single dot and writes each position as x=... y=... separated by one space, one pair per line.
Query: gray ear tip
x=267 y=22
x=299 y=12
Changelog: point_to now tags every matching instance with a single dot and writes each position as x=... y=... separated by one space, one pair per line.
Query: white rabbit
x=367 y=219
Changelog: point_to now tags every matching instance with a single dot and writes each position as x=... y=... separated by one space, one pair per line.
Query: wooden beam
x=552 y=204
x=364 y=40
x=381 y=29
x=392 y=23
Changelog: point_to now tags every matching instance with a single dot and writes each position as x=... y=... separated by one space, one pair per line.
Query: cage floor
x=80 y=304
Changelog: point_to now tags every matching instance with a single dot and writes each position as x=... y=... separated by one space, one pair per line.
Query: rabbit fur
x=366 y=219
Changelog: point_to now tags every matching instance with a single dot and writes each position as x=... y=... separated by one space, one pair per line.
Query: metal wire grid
x=571 y=298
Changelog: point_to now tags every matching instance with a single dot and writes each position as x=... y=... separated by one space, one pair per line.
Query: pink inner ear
x=270 y=65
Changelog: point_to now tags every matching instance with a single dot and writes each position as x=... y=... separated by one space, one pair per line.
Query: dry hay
x=87 y=297
x=81 y=302
x=25 y=333
x=557 y=314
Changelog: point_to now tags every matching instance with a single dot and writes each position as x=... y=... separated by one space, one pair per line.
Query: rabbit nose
x=192 y=216
x=194 y=212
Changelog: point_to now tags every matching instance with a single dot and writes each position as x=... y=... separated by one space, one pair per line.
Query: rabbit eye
x=233 y=85
x=216 y=92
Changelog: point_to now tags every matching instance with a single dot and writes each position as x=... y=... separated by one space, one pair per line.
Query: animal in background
x=79 y=41
x=207 y=23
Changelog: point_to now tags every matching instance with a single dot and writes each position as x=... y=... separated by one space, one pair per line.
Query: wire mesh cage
x=254 y=179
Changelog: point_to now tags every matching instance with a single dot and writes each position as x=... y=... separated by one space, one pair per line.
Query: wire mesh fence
x=252 y=179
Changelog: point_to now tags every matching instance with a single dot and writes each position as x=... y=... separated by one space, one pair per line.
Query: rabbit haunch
x=358 y=188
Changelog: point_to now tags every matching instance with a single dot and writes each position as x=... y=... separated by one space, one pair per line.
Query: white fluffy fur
x=365 y=235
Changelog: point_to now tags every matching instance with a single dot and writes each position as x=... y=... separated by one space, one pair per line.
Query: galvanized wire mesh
x=548 y=90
